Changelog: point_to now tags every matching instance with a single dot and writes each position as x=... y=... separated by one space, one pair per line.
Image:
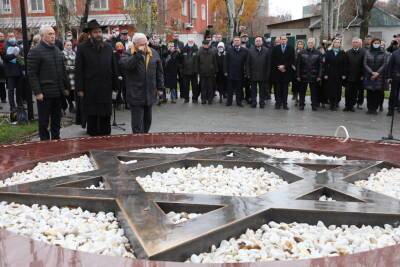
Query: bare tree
x=364 y=11
x=62 y=14
x=145 y=14
x=84 y=18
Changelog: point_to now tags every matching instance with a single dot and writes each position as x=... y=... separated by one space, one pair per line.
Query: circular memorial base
x=157 y=241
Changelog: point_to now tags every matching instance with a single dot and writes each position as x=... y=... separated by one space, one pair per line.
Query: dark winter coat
x=11 y=67
x=393 y=69
x=375 y=61
x=96 y=75
x=189 y=60
x=355 y=65
x=235 y=63
x=172 y=64
x=207 y=63
x=258 y=64
x=334 y=68
x=220 y=62
x=278 y=58
x=143 y=77
x=46 y=71
x=308 y=65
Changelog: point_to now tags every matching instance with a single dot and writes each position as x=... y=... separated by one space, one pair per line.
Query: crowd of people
x=88 y=75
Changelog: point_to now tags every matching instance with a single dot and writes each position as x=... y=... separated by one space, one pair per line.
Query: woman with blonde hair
x=334 y=73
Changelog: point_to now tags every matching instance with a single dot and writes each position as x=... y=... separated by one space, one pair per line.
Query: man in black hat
x=95 y=79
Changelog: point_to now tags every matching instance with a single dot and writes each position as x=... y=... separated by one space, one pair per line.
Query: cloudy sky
x=294 y=7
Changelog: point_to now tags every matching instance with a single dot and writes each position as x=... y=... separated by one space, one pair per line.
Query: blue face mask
x=12 y=41
x=336 y=49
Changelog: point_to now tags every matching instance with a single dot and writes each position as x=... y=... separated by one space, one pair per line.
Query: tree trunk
x=85 y=16
x=230 y=8
x=330 y=21
x=324 y=20
x=364 y=27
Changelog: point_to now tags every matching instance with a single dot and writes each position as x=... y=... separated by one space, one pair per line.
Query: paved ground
x=182 y=117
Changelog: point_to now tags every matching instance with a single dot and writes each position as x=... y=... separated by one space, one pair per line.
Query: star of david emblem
x=143 y=214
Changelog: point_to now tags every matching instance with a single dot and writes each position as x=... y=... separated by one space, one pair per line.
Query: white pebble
x=385 y=182
x=279 y=153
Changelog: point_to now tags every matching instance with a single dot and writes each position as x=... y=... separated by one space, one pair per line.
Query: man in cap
x=96 y=77
x=207 y=69
x=189 y=71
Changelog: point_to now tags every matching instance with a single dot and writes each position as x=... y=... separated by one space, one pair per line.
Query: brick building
x=185 y=16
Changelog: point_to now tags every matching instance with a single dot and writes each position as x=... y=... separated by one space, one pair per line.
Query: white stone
x=324 y=198
x=168 y=150
x=281 y=241
x=181 y=217
x=280 y=153
x=128 y=162
x=49 y=170
x=238 y=181
x=100 y=186
x=387 y=182
x=70 y=228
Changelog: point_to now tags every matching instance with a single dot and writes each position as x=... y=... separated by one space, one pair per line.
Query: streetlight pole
x=27 y=87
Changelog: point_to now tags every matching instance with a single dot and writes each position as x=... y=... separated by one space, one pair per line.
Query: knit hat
x=221 y=44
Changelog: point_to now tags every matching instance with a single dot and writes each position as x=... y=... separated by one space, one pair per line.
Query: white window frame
x=101 y=8
x=194 y=10
x=36 y=11
x=2 y=10
x=184 y=7
x=203 y=12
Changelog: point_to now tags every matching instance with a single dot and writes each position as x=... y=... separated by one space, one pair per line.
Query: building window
x=100 y=5
x=5 y=6
x=184 y=7
x=36 y=6
x=194 y=10
x=203 y=12
x=128 y=3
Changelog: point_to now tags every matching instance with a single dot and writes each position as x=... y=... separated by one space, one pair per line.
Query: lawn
x=16 y=133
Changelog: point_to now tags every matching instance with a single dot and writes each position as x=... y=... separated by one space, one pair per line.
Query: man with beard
x=189 y=71
x=207 y=69
x=95 y=79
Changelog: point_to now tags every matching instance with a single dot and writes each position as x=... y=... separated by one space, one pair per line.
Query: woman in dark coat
x=375 y=62
x=300 y=46
x=172 y=64
x=334 y=74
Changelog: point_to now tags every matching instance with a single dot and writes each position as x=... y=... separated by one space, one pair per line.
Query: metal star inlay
x=153 y=236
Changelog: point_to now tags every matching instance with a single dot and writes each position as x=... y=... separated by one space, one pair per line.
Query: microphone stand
x=115 y=124
x=390 y=137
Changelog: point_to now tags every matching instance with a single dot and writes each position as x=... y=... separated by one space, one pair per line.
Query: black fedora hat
x=93 y=24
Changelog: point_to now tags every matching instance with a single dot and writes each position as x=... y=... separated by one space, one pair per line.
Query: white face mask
x=376 y=46
x=190 y=45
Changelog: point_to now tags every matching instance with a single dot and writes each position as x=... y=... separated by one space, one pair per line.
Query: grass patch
x=10 y=133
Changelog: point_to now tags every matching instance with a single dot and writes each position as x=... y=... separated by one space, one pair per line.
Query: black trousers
x=361 y=95
x=221 y=84
x=49 y=111
x=262 y=88
x=394 y=99
x=15 y=87
x=281 y=93
x=98 y=125
x=141 y=117
x=247 y=89
x=237 y=88
x=190 y=80
x=207 y=89
x=3 y=94
x=352 y=93
x=314 y=93
x=373 y=99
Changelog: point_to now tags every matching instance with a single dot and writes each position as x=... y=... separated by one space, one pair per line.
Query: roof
x=37 y=22
x=291 y=21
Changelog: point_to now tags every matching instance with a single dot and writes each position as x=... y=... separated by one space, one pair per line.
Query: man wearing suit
x=282 y=60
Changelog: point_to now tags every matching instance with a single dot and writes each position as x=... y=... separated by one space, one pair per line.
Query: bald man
x=48 y=79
